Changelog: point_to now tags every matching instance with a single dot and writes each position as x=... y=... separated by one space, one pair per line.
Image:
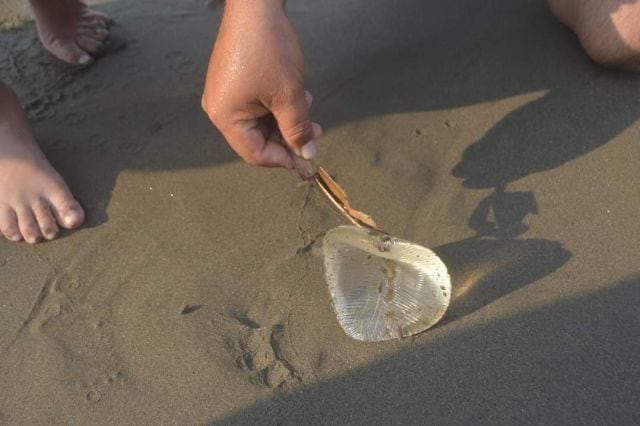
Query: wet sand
x=195 y=293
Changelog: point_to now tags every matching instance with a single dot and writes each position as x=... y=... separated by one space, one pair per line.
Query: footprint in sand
x=97 y=141
x=130 y=147
x=259 y=350
x=180 y=62
x=74 y=118
x=99 y=388
x=40 y=109
x=56 y=145
x=133 y=48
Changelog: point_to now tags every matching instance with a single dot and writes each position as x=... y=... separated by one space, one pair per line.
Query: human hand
x=254 y=90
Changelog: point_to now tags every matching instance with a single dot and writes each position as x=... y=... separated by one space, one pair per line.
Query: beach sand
x=195 y=292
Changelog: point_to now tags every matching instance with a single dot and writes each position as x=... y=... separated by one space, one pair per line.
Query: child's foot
x=69 y=30
x=34 y=200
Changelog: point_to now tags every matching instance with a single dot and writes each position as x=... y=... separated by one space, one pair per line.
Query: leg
x=69 y=30
x=609 y=30
x=34 y=200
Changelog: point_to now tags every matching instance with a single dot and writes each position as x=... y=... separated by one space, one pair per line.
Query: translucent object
x=383 y=287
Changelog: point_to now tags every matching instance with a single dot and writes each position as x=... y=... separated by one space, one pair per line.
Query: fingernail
x=84 y=59
x=308 y=151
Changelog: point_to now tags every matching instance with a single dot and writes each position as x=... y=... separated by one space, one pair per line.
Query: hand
x=254 y=89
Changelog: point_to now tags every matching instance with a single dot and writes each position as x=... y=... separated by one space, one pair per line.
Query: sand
x=195 y=293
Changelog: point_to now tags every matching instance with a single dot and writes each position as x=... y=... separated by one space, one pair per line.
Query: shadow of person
x=542 y=135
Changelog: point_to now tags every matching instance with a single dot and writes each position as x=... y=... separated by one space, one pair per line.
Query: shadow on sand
x=573 y=361
x=364 y=61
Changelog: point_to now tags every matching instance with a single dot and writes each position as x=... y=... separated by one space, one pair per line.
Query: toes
x=93 y=22
x=9 y=224
x=68 y=51
x=47 y=223
x=28 y=226
x=89 y=44
x=95 y=33
x=67 y=211
x=101 y=18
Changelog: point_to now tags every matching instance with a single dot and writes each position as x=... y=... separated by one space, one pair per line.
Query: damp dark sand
x=195 y=293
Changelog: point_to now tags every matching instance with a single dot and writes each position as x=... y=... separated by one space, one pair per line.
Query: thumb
x=294 y=124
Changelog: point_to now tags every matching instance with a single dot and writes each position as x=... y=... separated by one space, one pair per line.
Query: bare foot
x=34 y=200
x=70 y=30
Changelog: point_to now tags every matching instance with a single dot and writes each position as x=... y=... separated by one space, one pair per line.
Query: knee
x=617 y=47
x=609 y=30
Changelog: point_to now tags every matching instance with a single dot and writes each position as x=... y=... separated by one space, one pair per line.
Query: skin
x=35 y=202
x=254 y=90
x=609 y=30
x=70 y=30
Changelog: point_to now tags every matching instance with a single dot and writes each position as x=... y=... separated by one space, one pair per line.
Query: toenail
x=15 y=237
x=33 y=240
x=84 y=59
x=71 y=218
x=50 y=235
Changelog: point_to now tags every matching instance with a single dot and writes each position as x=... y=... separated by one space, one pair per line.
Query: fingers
x=291 y=111
x=259 y=141
x=250 y=144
